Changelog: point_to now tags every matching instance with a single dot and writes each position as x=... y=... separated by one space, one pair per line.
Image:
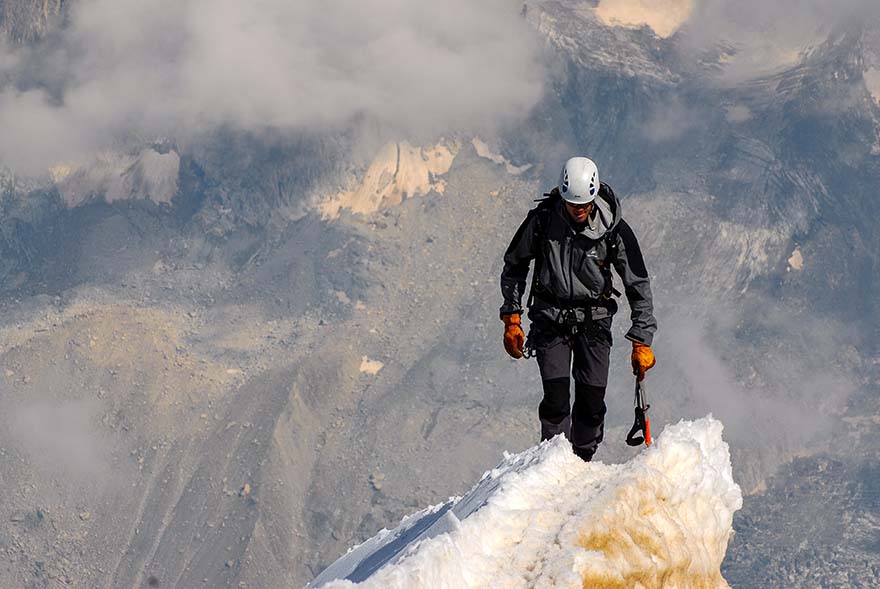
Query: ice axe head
x=642 y=423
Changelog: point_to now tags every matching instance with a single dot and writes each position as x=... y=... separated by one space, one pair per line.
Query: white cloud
x=669 y=121
x=770 y=35
x=185 y=66
x=60 y=437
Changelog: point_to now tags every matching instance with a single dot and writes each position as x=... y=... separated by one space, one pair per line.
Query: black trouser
x=583 y=424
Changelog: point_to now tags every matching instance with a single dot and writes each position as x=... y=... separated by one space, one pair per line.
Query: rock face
x=664 y=17
x=22 y=21
x=398 y=171
x=148 y=175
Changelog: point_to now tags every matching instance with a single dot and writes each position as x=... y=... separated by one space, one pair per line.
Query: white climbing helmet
x=579 y=180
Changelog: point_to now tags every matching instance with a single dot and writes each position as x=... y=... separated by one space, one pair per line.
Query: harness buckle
x=571 y=325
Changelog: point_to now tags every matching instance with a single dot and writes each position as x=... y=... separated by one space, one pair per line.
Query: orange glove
x=514 y=338
x=642 y=360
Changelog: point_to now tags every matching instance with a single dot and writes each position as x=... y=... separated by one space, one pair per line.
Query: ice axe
x=642 y=423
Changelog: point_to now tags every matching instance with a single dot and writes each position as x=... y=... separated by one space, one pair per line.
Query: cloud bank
x=770 y=35
x=765 y=36
x=180 y=67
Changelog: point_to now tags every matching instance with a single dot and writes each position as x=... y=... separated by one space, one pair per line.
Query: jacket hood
x=606 y=215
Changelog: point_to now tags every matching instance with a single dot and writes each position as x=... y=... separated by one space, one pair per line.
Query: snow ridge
x=544 y=519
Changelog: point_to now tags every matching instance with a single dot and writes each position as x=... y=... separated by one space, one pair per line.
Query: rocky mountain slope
x=22 y=21
x=235 y=385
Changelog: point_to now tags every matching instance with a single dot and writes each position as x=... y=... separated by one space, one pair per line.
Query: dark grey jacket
x=573 y=266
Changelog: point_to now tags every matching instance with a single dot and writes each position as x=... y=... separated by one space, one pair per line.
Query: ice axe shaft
x=642 y=423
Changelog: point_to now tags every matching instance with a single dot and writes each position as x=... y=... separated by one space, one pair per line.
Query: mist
x=180 y=68
x=766 y=36
x=121 y=69
x=776 y=380
x=59 y=437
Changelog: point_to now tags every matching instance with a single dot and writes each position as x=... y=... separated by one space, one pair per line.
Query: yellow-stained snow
x=663 y=16
x=398 y=171
x=666 y=524
x=638 y=540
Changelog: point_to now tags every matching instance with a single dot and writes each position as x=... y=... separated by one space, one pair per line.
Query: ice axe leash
x=642 y=423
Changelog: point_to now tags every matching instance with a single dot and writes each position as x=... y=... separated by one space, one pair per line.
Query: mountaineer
x=575 y=236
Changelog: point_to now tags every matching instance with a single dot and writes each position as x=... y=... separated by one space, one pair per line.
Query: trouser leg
x=554 y=412
x=590 y=371
x=588 y=420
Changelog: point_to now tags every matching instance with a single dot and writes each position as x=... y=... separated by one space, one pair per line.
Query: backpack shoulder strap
x=611 y=249
x=543 y=211
x=542 y=224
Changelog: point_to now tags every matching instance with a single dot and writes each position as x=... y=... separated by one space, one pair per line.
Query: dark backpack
x=542 y=222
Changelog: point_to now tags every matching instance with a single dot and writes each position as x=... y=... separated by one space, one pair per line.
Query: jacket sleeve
x=519 y=254
x=630 y=266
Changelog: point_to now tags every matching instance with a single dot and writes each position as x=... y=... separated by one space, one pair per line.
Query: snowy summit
x=545 y=519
